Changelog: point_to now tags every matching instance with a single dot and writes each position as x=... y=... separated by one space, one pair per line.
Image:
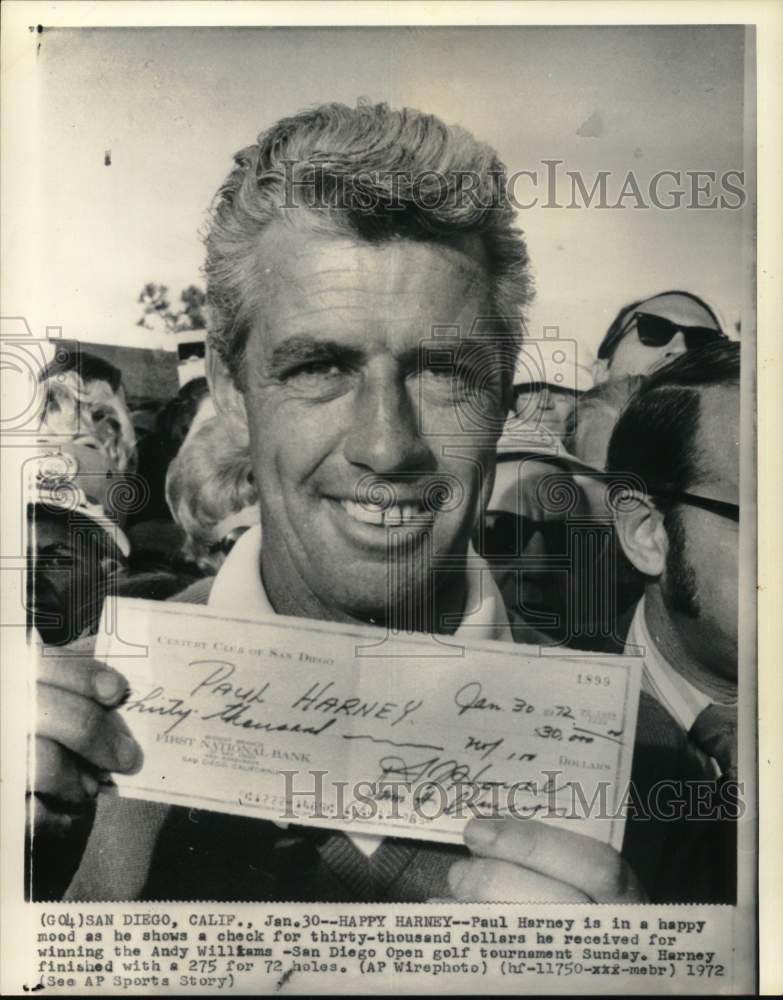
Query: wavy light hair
x=209 y=479
x=76 y=407
x=368 y=172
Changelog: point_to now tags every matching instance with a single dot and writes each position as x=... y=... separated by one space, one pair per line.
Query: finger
x=88 y=730
x=82 y=675
x=481 y=880
x=58 y=773
x=592 y=867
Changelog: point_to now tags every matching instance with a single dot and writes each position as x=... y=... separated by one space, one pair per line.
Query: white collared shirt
x=238 y=587
x=683 y=700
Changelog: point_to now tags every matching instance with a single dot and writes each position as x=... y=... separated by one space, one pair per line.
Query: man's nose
x=676 y=345
x=545 y=400
x=385 y=436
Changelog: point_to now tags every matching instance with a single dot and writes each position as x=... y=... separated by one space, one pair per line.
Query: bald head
x=649 y=334
x=680 y=308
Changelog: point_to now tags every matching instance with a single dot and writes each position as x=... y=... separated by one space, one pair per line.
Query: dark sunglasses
x=720 y=507
x=655 y=331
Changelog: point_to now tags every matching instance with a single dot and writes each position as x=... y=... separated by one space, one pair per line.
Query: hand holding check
x=518 y=860
x=79 y=738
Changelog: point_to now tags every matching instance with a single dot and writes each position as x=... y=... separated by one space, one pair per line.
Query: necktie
x=715 y=732
x=366 y=878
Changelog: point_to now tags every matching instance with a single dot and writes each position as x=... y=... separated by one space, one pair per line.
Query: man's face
x=545 y=407
x=700 y=585
x=632 y=357
x=338 y=401
x=68 y=575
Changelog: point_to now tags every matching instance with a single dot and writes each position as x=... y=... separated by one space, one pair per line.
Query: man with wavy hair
x=366 y=287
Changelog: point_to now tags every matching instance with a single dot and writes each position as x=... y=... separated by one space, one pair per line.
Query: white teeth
x=391 y=517
x=368 y=514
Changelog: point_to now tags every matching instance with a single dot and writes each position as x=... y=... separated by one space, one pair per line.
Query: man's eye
x=450 y=377
x=315 y=370
x=317 y=378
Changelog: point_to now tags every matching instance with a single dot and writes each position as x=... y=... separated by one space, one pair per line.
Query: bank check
x=373 y=733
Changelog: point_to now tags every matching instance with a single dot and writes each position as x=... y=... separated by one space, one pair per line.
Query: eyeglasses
x=226 y=544
x=720 y=507
x=655 y=331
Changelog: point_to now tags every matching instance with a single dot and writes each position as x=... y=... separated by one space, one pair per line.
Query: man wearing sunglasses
x=679 y=436
x=652 y=332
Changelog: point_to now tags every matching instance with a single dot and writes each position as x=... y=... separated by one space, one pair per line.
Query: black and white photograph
x=381 y=500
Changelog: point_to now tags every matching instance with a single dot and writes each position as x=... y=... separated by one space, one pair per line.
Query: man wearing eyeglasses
x=652 y=332
x=680 y=436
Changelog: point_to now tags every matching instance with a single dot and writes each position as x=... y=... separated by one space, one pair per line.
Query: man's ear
x=227 y=398
x=643 y=537
x=601 y=370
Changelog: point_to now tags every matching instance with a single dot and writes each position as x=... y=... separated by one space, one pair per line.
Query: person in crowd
x=612 y=581
x=156 y=538
x=178 y=414
x=323 y=282
x=75 y=550
x=211 y=494
x=84 y=395
x=679 y=436
x=651 y=332
x=73 y=563
x=144 y=418
x=156 y=451
x=526 y=538
x=547 y=381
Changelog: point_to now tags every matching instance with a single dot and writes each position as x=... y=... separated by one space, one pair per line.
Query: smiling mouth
x=387 y=516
